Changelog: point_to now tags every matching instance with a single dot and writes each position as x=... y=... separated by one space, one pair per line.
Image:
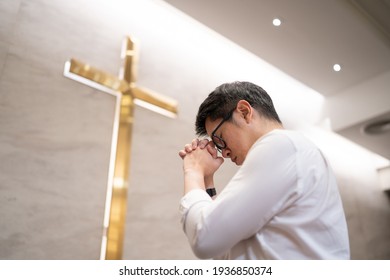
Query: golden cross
x=127 y=94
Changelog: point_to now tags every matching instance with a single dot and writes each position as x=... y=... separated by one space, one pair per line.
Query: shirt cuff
x=191 y=198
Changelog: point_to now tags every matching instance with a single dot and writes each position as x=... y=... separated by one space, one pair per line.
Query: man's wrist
x=193 y=180
x=209 y=181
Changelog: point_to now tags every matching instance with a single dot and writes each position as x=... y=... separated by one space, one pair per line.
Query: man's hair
x=224 y=99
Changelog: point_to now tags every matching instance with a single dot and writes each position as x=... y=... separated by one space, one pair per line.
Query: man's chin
x=238 y=162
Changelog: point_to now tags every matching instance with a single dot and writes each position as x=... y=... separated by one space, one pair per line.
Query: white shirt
x=283 y=203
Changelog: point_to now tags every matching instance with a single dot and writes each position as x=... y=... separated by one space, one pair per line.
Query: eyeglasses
x=219 y=143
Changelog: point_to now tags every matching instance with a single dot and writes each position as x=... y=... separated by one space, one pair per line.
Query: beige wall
x=55 y=133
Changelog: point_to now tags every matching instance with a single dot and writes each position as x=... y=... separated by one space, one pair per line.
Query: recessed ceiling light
x=337 y=67
x=276 y=22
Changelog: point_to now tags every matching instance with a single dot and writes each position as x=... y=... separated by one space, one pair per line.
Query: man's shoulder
x=286 y=138
x=280 y=135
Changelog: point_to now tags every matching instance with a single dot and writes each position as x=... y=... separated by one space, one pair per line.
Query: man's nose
x=226 y=153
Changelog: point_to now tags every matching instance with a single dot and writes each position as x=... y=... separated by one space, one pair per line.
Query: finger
x=203 y=143
x=195 y=143
x=182 y=154
x=211 y=144
x=188 y=148
x=221 y=160
x=213 y=152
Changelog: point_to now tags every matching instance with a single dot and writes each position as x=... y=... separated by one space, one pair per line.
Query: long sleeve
x=260 y=188
x=283 y=203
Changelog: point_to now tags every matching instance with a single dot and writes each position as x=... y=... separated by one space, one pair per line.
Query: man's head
x=232 y=115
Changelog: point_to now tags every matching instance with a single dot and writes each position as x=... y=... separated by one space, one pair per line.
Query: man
x=283 y=203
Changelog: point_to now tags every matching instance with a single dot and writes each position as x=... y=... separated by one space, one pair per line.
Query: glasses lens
x=219 y=143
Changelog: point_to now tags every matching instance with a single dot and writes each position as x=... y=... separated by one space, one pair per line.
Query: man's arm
x=200 y=161
x=262 y=186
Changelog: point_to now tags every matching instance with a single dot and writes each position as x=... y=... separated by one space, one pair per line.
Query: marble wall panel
x=55 y=143
x=9 y=12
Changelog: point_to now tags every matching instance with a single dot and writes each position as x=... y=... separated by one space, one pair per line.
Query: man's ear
x=245 y=110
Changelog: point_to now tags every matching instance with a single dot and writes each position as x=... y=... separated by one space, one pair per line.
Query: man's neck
x=267 y=126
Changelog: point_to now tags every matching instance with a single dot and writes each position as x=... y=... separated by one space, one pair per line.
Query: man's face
x=231 y=136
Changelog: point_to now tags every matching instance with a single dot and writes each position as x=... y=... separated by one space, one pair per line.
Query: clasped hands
x=200 y=156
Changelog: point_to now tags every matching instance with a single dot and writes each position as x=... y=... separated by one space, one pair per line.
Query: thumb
x=220 y=160
x=211 y=149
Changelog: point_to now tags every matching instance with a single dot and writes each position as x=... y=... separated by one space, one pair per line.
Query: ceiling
x=315 y=35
